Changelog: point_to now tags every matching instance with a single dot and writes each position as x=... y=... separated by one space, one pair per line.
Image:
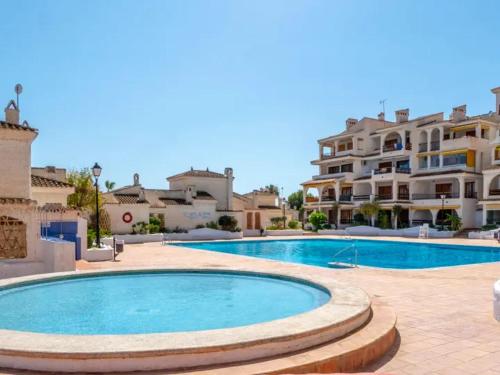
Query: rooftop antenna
x=383 y=104
x=18 y=89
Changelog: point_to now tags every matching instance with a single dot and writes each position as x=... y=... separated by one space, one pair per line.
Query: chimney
x=381 y=116
x=189 y=194
x=496 y=91
x=136 y=179
x=402 y=115
x=459 y=113
x=142 y=196
x=12 y=113
x=228 y=172
x=350 y=122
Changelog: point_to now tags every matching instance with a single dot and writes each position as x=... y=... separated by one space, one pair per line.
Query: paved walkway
x=445 y=317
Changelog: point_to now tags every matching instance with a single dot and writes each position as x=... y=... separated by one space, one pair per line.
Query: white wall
x=217 y=187
x=51 y=195
x=140 y=212
x=15 y=163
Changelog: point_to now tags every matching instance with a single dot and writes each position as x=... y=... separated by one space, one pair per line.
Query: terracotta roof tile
x=8 y=125
x=198 y=173
x=39 y=181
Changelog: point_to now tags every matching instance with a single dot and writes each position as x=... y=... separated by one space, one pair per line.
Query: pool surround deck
x=345 y=311
x=445 y=317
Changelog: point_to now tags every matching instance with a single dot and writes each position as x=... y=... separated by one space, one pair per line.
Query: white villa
x=424 y=164
x=194 y=197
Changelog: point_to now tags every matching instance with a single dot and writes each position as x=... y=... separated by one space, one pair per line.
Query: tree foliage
x=84 y=196
x=228 y=223
x=397 y=210
x=455 y=221
x=272 y=189
x=317 y=219
x=110 y=185
x=369 y=210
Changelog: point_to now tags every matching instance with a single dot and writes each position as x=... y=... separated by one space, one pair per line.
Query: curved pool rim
x=346 y=310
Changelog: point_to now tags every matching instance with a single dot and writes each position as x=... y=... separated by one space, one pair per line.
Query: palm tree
x=370 y=210
x=396 y=210
x=455 y=221
x=110 y=185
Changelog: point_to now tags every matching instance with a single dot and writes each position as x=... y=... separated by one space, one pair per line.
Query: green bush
x=384 y=221
x=228 y=223
x=489 y=227
x=200 y=226
x=359 y=219
x=293 y=224
x=278 y=221
x=317 y=219
x=212 y=225
x=91 y=236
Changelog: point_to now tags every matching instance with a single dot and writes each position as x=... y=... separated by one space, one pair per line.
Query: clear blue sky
x=156 y=87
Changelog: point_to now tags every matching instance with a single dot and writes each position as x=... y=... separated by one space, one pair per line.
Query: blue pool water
x=383 y=254
x=153 y=302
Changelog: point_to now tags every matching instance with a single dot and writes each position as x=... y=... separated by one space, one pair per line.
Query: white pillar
x=485 y=215
x=320 y=193
x=394 y=189
x=461 y=187
x=434 y=214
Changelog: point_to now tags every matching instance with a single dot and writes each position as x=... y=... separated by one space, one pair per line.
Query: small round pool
x=153 y=302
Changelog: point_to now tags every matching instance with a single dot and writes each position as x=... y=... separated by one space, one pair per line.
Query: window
x=334 y=169
x=345 y=216
x=346 y=168
x=434 y=161
x=422 y=162
x=456 y=159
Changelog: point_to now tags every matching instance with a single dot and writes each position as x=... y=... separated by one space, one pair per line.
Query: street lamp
x=96 y=171
x=443 y=197
x=283 y=208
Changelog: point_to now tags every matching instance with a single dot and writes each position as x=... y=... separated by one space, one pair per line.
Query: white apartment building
x=429 y=165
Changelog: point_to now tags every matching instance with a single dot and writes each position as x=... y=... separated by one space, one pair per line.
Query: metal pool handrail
x=351 y=246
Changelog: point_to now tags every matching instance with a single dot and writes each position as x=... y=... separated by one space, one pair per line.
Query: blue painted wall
x=69 y=231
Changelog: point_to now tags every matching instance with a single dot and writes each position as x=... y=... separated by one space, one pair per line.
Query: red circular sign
x=127 y=217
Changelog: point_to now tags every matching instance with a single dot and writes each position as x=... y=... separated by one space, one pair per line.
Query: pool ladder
x=354 y=261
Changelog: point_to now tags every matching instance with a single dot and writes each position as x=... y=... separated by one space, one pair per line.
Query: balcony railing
x=384 y=197
x=403 y=196
x=494 y=192
x=345 y=221
x=382 y=170
x=434 y=145
x=471 y=194
x=363 y=197
x=345 y=198
x=328 y=198
x=327 y=156
x=312 y=199
x=403 y=170
x=422 y=147
x=394 y=147
x=434 y=196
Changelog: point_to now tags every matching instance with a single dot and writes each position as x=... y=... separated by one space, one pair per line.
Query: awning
x=328 y=181
x=454 y=152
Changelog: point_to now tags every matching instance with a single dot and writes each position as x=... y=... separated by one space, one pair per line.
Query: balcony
x=495 y=192
x=404 y=196
x=345 y=198
x=384 y=197
x=396 y=147
x=422 y=147
x=312 y=199
x=362 y=197
x=466 y=142
x=434 y=196
x=326 y=156
x=434 y=145
x=329 y=198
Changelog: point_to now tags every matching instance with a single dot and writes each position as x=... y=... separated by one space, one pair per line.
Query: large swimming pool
x=154 y=302
x=383 y=254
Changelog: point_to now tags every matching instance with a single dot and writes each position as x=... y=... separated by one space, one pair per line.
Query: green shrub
x=489 y=227
x=359 y=219
x=228 y=223
x=200 y=226
x=326 y=226
x=293 y=224
x=91 y=237
x=384 y=221
x=278 y=221
x=212 y=225
x=317 y=219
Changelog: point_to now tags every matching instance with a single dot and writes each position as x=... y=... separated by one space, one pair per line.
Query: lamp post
x=96 y=171
x=283 y=208
x=443 y=197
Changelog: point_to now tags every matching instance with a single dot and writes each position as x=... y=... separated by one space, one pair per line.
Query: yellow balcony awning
x=454 y=152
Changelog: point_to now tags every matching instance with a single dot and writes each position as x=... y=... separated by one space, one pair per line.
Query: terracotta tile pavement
x=445 y=318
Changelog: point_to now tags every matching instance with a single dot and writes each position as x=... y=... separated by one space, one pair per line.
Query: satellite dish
x=18 y=88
